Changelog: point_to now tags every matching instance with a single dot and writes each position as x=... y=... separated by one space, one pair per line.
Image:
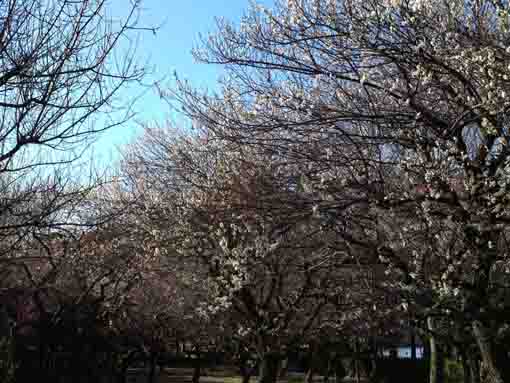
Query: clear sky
x=181 y=22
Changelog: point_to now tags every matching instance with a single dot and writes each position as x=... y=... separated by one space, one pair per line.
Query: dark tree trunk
x=413 y=345
x=340 y=371
x=152 y=367
x=196 y=370
x=433 y=352
x=268 y=369
x=246 y=372
x=466 y=371
x=486 y=351
x=440 y=364
x=474 y=367
x=374 y=371
x=283 y=368
x=245 y=369
x=123 y=369
x=311 y=368
x=357 y=361
x=122 y=376
x=329 y=366
x=309 y=375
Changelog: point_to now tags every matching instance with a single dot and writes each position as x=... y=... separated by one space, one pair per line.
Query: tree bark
x=357 y=361
x=466 y=371
x=440 y=364
x=283 y=368
x=413 y=345
x=474 y=369
x=433 y=352
x=340 y=371
x=329 y=366
x=245 y=370
x=152 y=367
x=486 y=352
x=309 y=375
x=196 y=370
x=268 y=369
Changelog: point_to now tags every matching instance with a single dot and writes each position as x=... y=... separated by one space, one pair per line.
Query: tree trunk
x=466 y=371
x=309 y=375
x=486 y=352
x=474 y=369
x=413 y=345
x=268 y=369
x=440 y=364
x=329 y=366
x=283 y=368
x=152 y=367
x=122 y=369
x=196 y=370
x=122 y=376
x=245 y=369
x=340 y=371
x=433 y=352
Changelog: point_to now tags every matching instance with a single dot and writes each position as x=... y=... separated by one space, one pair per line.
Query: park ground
x=183 y=375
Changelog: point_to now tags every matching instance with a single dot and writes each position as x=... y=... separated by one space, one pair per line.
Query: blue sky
x=181 y=22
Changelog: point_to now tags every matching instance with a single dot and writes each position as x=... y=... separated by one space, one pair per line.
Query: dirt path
x=177 y=375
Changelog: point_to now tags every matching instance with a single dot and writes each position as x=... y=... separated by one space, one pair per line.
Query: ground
x=174 y=375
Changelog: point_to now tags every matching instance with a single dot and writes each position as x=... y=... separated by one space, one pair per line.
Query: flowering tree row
x=370 y=130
